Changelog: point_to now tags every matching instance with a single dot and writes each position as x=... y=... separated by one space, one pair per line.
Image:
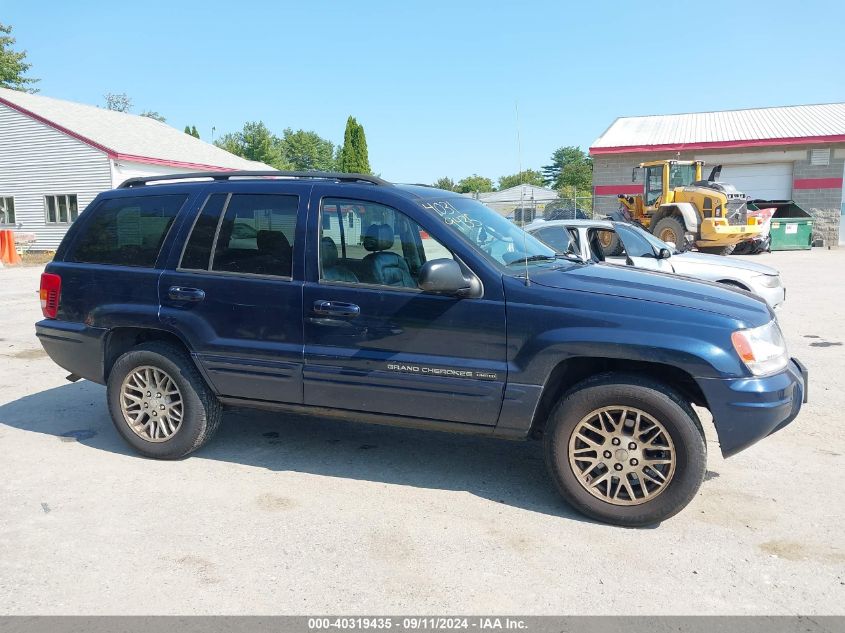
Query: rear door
x=235 y=290
x=373 y=341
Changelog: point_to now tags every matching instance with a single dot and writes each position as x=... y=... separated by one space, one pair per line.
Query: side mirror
x=634 y=174
x=664 y=253
x=445 y=277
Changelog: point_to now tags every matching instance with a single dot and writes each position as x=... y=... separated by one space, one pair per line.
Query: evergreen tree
x=194 y=131
x=354 y=156
x=445 y=183
x=188 y=130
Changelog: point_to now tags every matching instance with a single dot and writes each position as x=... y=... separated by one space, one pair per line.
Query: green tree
x=13 y=66
x=570 y=166
x=194 y=132
x=445 y=183
x=475 y=184
x=354 y=156
x=307 y=151
x=188 y=130
x=118 y=101
x=525 y=177
x=151 y=114
x=254 y=142
x=574 y=197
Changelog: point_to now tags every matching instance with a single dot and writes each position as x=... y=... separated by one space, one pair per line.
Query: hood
x=657 y=287
x=722 y=261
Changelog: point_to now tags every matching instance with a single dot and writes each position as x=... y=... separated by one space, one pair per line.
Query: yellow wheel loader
x=678 y=206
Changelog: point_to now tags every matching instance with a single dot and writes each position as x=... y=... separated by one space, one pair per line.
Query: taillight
x=51 y=288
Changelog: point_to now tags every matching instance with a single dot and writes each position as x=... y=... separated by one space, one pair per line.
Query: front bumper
x=745 y=410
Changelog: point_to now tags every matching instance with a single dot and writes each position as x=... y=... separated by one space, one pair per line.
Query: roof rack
x=228 y=175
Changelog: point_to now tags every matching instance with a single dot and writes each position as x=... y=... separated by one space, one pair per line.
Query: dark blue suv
x=344 y=295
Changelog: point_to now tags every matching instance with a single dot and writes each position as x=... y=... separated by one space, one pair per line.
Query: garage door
x=771 y=181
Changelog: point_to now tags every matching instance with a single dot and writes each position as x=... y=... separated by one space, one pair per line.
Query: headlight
x=762 y=349
x=767 y=281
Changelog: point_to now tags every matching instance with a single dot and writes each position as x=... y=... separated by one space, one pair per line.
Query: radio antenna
x=521 y=192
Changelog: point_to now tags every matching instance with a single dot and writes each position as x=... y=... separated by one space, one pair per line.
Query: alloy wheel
x=622 y=455
x=151 y=404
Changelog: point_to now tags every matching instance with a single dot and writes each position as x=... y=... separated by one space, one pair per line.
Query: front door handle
x=180 y=293
x=336 y=308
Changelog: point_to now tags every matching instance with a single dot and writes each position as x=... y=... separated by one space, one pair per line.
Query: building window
x=61 y=209
x=820 y=156
x=7 y=210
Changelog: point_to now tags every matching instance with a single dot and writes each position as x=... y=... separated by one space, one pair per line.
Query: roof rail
x=228 y=175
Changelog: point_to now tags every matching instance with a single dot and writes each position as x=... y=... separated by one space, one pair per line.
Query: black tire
x=717 y=250
x=674 y=225
x=651 y=397
x=201 y=413
x=614 y=244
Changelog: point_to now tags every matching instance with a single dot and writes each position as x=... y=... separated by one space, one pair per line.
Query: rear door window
x=256 y=235
x=127 y=231
x=197 y=254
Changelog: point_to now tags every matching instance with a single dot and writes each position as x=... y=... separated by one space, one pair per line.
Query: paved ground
x=285 y=515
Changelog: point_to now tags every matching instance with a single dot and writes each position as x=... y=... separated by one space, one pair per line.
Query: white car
x=628 y=244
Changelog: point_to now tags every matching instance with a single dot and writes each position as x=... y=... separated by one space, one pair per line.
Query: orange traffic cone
x=8 y=252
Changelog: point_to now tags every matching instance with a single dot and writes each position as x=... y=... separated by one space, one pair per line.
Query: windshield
x=681 y=175
x=497 y=238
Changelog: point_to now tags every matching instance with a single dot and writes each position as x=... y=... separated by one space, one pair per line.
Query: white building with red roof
x=792 y=152
x=56 y=156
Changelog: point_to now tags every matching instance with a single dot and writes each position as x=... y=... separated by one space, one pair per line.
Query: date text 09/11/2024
x=429 y=623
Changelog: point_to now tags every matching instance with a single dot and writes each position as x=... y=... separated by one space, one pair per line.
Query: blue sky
x=435 y=83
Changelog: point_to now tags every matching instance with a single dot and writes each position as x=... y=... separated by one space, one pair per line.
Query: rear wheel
x=671 y=229
x=625 y=450
x=159 y=402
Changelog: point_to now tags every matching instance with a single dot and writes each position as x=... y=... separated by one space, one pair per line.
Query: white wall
x=36 y=160
x=122 y=170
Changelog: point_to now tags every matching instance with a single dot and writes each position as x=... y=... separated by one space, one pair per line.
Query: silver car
x=628 y=244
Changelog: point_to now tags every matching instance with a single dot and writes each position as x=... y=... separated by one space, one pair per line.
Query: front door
x=234 y=294
x=636 y=250
x=373 y=341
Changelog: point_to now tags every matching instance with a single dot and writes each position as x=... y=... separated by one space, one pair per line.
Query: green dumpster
x=791 y=228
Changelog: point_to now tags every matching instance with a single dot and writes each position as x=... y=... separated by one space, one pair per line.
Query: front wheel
x=671 y=229
x=625 y=450
x=717 y=250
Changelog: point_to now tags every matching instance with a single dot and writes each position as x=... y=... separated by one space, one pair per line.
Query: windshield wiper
x=545 y=258
x=533 y=258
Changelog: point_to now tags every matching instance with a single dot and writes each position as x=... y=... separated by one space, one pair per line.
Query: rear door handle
x=180 y=293
x=336 y=308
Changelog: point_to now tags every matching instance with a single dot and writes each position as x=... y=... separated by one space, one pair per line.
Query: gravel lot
x=289 y=515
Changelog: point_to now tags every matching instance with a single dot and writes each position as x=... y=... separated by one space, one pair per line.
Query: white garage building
x=56 y=156
x=785 y=153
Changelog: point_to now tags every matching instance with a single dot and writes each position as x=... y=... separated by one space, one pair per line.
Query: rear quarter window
x=127 y=231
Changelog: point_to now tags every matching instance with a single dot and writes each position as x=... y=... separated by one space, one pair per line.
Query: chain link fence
x=524 y=211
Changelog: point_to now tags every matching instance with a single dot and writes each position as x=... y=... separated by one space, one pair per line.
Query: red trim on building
x=612 y=190
x=817 y=183
x=110 y=152
x=676 y=147
x=170 y=163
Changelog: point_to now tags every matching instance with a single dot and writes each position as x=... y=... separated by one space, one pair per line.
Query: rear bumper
x=75 y=347
x=745 y=410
